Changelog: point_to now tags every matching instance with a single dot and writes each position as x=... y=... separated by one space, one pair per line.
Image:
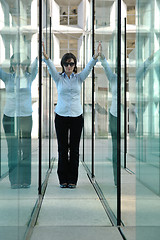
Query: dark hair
x=65 y=58
x=14 y=59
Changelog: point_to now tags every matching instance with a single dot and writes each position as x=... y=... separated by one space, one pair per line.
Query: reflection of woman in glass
x=68 y=114
x=112 y=78
x=17 y=119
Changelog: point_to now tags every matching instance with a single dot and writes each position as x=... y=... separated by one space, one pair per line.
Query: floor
x=73 y=213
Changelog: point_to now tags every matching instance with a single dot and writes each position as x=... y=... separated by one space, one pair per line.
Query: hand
x=99 y=49
x=44 y=52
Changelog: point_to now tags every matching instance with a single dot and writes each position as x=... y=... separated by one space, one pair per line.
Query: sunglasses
x=19 y=64
x=66 y=64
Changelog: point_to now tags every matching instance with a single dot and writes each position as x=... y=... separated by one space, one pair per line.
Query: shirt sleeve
x=3 y=75
x=85 y=72
x=107 y=69
x=34 y=69
x=141 y=71
x=52 y=70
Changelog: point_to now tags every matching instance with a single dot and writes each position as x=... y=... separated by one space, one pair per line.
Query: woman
x=68 y=116
x=17 y=118
x=112 y=78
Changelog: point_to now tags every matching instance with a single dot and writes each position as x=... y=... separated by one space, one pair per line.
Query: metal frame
x=50 y=97
x=119 y=114
x=93 y=8
x=40 y=97
x=125 y=97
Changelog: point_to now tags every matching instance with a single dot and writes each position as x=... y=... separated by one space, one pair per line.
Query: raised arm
x=85 y=72
x=34 y=69
x=107 y=68
x=3 y=75
x=142 y=70
x=110 y=75
x=51 y=68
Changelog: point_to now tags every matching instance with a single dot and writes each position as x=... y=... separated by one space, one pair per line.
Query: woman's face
x=19 y=66
x=69 y=66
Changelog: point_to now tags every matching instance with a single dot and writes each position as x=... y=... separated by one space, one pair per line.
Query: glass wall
x=88 y=92
x=148 y=120
x=45 y=92
x=102 y=134
x=19 y=115
x=106 y=102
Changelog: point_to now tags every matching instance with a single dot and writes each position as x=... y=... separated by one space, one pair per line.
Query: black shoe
x=71 y=185
x=63 y=185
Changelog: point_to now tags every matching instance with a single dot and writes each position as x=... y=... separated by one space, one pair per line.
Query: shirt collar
x=65 y=75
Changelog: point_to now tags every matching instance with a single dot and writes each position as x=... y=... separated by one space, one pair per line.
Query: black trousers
x=19 y=148
x=68 y=130
x=113 y=128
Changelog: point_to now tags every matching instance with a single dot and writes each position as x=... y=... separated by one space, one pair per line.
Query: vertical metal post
x=159 y=139
x=125 y=93
x=40 y=95
x=50 y=99
x=83 y=91
x=119 y=115
x=93 y=6
x=0 y=143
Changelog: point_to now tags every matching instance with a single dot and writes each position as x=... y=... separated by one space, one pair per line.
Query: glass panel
x=64 y=15
x=45 y=101
x=73 y=10
x=64 y=20
x=88 y=110
x=106 y=104
x=63 y=44
x=102 y=21
x=73 y=20
x=148 y=120
x=62 y=52
x=73 y=44
x=68 y=45
x=19 y=116
x=122 y=94
x=64 y=10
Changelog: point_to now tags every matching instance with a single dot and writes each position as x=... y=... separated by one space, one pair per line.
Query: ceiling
x=130 y=2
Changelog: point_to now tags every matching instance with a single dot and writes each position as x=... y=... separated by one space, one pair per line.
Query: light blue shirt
x=18 y=92
x=112 y=78
x=69 y=89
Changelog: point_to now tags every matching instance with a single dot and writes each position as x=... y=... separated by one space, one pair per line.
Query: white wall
x=34 y=13
x=80 y=14
x=113 y=15
x=55 y=14
x=56 y=50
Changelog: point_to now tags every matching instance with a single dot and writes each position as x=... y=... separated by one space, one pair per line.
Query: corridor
x=73 y=213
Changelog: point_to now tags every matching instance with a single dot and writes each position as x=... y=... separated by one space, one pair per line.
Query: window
x=68 y=15
x=130 y=46
x=68 y=45
x=131 y=15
